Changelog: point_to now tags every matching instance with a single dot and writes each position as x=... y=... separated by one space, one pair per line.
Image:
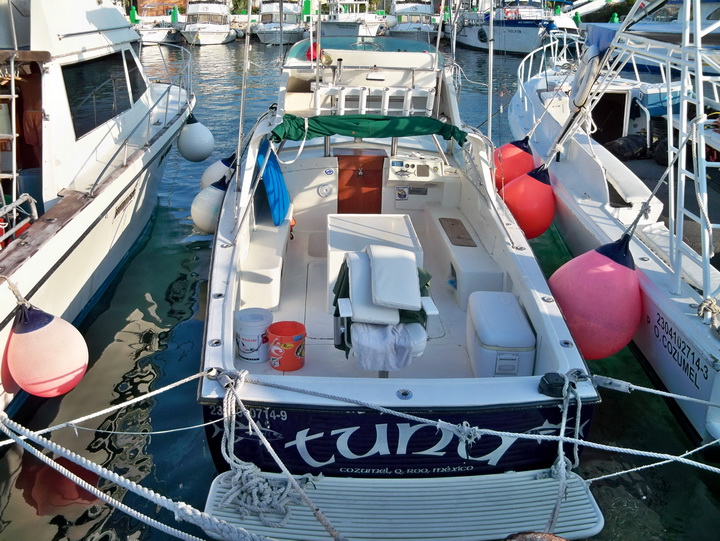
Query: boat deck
x=304 y=298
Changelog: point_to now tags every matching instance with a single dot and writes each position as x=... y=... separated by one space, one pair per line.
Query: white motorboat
x=413 y=19
x=84 y=133
x=274 y=29
x=672 y=226
x=359 y=376
x=517 y=27
x=157 y=27
x=350 y=18
x=207 y=22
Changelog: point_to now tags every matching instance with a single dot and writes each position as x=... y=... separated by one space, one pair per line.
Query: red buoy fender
x=512 y=160
x=599 y=295
x=531 y=200
x=46 y=355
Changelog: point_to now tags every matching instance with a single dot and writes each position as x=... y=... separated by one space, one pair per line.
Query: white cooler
x=500 y=341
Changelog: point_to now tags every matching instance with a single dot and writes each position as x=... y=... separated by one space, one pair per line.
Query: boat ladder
x=16 y=210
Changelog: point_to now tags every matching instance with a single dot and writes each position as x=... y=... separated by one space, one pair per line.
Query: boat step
x=450 y=508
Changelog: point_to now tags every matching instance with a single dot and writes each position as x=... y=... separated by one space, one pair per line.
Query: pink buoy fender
x=512 y=160
x=599 y=295
x=531 y=200
x=46 y=355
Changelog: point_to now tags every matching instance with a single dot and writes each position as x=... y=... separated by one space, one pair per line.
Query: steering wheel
x=366 y=46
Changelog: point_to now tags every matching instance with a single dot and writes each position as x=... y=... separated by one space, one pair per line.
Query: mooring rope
x=182 y=511
x=626 y=387
x=293 y=491
x=72 y=424
x=232 y=385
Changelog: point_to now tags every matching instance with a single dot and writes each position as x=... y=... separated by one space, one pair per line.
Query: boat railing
x=15 y=216
x=692 y=73
x=176 y=83
x=561 y=52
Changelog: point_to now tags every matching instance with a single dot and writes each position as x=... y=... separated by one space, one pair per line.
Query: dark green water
x=147 y=331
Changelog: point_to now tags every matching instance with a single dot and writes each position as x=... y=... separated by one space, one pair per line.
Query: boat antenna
x=243 y=86
x=491 y=53
x=439 y=33
x=281 y=7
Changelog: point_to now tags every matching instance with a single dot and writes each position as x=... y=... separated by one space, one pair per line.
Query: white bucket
x=251 y=343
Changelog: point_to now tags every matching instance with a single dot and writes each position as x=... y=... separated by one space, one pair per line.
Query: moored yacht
x=647 y=146
x=85 y=134
x=154 y=28
x=276 y=28
x=207 y=22
x=517 y=27
x=378 y=328
x=350 y=18
x=413 y=19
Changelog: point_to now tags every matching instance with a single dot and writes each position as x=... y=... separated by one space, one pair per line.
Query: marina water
x=146 y=332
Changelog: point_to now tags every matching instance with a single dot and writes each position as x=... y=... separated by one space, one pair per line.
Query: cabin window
x=137 y=83
x=206 y=18
x=97 y=91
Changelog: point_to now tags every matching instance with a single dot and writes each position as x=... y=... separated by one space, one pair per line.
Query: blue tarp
x=275 y=188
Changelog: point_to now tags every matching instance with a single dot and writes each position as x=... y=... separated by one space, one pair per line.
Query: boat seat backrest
x=382 y=281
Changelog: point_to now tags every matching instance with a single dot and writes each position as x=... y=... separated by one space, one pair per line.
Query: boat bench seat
x=468 y=262
x=261 y=268
x=385 y=100
x=622 y=179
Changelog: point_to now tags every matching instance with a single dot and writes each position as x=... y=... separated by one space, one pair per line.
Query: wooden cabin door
x=359 y=181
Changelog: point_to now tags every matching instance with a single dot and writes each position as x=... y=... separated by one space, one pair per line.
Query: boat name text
x=684 y=355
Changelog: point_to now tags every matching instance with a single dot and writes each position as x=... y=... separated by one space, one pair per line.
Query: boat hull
x=415 y=32
x=161 y=35
x=93 y=237
x=272 y=36
x=209 y=37
x=671 y=339
x=358 y=28
x=352 y=442
x=520 y=37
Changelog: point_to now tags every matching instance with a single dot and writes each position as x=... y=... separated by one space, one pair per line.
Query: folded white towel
x=381 y=347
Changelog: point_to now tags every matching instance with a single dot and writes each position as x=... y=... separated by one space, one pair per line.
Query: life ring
x=585 y=76
x=511 y=13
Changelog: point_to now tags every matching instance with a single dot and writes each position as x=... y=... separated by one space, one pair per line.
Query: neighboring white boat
x=85 y=134
x=517 y=27
x=350 y=18
x=207 y=22
x=413 y=19
x=160 y=29
x=599 y=197
x=354 y=187
x=161 y=32
x=271 y=24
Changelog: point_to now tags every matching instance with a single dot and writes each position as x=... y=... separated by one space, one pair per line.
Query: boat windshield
x=369 y=44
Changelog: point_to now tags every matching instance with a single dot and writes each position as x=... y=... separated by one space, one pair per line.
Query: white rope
x=471 y=433
x=709 y=309
x=653 y=465
x=72 y=424
x=146 y=432
x=624 y=386
x=232 y=386
x=181 y=510
x=16 y=291
x=562 y=464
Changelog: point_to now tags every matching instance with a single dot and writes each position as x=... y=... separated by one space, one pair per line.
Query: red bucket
x=286 y=341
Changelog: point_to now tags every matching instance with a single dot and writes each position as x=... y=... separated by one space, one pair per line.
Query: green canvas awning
x=364 y=126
